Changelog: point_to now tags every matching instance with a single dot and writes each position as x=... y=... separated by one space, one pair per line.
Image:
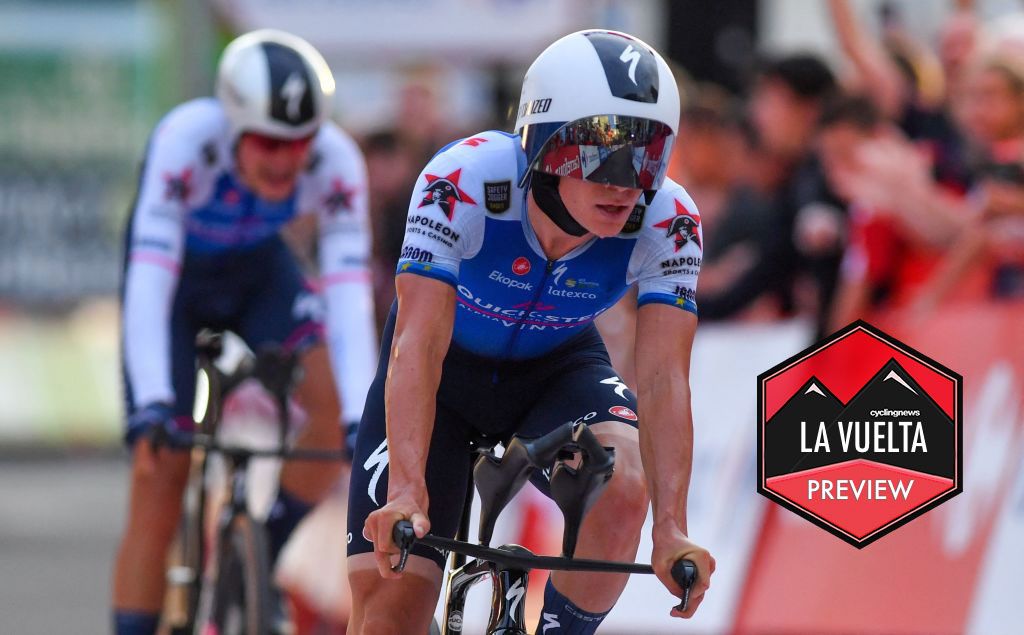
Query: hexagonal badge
x=860 y=434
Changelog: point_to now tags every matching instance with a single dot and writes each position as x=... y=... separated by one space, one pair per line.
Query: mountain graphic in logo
x=812 y=403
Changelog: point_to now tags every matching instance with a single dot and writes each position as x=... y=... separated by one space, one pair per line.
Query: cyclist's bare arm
x=423 y=331
x=663 y=344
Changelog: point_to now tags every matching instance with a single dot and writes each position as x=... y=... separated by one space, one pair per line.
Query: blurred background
x=860 y=159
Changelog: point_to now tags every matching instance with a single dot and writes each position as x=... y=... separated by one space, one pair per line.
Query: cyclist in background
x=513 y=245
x=220 y=178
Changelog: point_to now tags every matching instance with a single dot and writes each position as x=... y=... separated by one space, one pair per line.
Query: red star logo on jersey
x=339 y=198
x=683 y=226
x=444 y=192
x=474 y=141
x=179 y=186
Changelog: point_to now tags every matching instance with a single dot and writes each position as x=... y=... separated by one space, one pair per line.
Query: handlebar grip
x=404 y=536
x=684 y=572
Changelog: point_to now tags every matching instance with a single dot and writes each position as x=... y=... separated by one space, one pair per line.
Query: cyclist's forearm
x=352 y=341
x=414 y=374
x=666 y=445
x=663 y=344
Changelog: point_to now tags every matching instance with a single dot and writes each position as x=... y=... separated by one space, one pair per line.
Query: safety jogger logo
x=859 y=434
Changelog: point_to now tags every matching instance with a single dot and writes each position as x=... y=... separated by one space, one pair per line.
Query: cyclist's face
x=270 y=167
x=601 y=209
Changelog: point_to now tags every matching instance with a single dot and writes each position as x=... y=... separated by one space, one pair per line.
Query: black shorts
x=482 y=398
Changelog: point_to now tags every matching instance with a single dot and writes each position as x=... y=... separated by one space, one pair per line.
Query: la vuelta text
x=863 y=437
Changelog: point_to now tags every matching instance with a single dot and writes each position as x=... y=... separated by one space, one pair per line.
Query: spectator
x=391 y=165
x=908 y=84
x=994 y=120
x=885 y=261
x=797 y=237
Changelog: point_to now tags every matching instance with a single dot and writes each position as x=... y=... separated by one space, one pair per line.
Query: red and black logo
x=339 y=198
x=683 y=226
x=178 y=186
x=444 y=192
x=860 y=434
x=521 y=266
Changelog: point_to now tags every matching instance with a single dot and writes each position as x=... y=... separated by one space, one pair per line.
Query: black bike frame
x=507 y=606
x=509 y=565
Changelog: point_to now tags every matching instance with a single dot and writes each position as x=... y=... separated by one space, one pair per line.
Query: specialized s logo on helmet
x=291 y=100
x=292 y=92
x=629 y=66
x=684 y=226
x=444 y=192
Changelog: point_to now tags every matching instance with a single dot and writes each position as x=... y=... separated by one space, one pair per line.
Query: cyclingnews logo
x=860 y=434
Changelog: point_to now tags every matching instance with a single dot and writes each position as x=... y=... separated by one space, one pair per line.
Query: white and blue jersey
x=468 y=226
x=204 y=250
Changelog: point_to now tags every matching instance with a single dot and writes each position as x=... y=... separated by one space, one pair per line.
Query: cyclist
x=220 y=178
x=514 y=243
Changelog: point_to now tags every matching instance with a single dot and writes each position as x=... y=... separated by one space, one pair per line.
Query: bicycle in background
x=225 y=575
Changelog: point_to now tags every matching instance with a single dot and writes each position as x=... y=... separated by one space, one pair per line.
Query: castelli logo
x=521 y=266
x=623 y=412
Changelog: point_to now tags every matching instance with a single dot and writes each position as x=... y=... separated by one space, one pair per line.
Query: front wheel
x=239 y=600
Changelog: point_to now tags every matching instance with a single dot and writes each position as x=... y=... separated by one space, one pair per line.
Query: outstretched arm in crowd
x=894 y=175
x=876 y=73
x=994 y=232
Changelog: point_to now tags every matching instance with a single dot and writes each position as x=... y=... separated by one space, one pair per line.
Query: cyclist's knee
x=627 y=492
x=394 y=606
x=165 y=475
x=156 y=491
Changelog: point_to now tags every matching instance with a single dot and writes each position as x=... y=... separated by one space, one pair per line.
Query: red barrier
x=922 y=578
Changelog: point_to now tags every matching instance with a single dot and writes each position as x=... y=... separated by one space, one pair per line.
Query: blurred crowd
x=893 y=181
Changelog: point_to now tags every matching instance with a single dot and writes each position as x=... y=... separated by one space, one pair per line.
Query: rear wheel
x=239 y=600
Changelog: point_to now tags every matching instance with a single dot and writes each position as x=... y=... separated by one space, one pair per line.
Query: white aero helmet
x=601 y=106
x=275 y=84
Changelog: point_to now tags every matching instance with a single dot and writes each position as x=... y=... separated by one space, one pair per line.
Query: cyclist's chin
x=601 y=223
x=273 y=190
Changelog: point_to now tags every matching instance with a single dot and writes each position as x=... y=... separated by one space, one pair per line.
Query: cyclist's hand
x=671 y=545
x=149 y=428
x=380 y=523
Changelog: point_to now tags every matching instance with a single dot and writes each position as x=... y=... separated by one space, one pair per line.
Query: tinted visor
x=609 y=149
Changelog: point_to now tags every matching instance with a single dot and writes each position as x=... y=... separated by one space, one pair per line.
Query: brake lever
x=684 y=572
x=404 y=536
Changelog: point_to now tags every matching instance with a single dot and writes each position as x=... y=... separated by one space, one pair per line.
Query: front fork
x=508 y=606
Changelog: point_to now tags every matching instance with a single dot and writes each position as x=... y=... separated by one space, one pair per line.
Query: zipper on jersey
x=515 y=334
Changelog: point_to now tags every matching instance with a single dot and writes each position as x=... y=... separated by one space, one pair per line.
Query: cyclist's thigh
x=590 y=393
x=448 y=469
x=282 y=309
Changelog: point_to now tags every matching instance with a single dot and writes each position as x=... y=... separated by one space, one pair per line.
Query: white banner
x=382 y=30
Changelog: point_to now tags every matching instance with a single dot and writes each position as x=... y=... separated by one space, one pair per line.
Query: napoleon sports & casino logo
x=859 y=434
